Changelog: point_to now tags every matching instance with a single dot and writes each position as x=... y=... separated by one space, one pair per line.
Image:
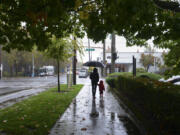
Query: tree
x=19 y=63
x=25 y=23
x=171 y=58
x=147 y=60
x=172 y=61
x=60 y=50
x=137 y=21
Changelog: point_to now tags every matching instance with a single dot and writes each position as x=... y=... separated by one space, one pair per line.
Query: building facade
x=124 y=61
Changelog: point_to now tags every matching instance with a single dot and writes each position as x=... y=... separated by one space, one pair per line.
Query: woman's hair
x=95 y=70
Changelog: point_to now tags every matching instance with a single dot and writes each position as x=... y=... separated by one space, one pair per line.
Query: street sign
x=90 y=49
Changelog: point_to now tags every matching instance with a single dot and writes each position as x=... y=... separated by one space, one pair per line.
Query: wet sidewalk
x=86 y=116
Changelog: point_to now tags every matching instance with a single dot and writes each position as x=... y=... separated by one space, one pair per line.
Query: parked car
x=174 y=79
x=83 y=73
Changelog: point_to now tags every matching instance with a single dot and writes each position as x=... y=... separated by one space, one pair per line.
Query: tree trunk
x=104 y=58
x=58 y=76
x=113 y=51
x=11 y=71
x=147 y=68
x=74 y=65
x=16 y=70
x=134 y=66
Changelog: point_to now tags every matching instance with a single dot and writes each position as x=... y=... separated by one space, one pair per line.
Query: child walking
x=101 y=88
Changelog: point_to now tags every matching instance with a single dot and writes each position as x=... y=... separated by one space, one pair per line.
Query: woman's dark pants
x=94 y=86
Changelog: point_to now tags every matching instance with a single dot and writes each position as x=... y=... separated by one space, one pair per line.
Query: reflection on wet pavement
x=94 y=113
x=86 y=116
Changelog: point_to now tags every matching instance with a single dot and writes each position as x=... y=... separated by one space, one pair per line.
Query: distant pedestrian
x=101 y=88
x=94 y=76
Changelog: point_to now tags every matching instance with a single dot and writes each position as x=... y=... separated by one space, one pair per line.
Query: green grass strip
x=153 y=76
x=37 y=114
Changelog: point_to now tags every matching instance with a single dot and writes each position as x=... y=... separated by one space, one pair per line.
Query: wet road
x=13 y=90
x=86 y=116
x=10 y=85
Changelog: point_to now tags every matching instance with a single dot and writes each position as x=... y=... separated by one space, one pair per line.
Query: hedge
x=157 y=102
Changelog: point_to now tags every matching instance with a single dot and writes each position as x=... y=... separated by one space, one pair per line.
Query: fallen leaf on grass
x=21 y=126
x=4 y=121
x=37 y=125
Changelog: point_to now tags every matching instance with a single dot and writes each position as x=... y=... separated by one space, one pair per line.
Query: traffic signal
x=114 y=56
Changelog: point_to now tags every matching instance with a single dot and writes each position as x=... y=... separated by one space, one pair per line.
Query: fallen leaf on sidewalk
x=83 y=129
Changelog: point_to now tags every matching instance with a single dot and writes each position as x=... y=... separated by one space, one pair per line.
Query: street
x=13 y=90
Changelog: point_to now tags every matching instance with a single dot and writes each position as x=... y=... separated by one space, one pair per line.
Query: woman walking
x=94 y=76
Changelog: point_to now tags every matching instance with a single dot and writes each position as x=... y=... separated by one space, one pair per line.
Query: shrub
x=150 y=75
x=6 y=74
x=157 y=101
x=111 y=81
x=144 y=75
x=120 y=73
x=141 y=70
x=20 y=74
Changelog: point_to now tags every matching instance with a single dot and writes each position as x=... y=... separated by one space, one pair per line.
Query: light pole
x=89 y=49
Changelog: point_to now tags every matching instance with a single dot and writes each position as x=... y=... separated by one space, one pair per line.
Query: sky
x=120 y=47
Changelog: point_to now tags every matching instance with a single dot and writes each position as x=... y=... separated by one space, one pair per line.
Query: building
x=124 y=61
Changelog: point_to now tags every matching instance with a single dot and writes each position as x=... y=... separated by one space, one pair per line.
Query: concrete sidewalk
x=86 y=116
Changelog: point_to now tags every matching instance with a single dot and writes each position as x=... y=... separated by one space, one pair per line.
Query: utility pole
x=0 y=63
x=113 y=53
x=89 y=49
x=74 y=64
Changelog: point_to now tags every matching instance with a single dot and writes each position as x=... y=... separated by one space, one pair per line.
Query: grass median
x=37 y=114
